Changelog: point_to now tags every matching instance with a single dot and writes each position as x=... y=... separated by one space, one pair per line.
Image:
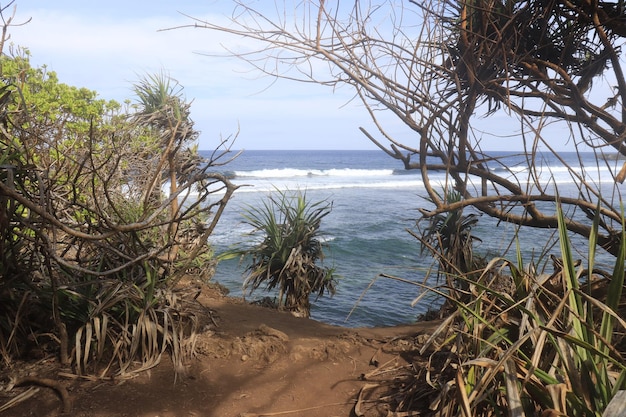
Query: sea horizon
x=375 y=201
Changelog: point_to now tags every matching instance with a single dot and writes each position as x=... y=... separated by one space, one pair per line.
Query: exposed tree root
x=49 y=383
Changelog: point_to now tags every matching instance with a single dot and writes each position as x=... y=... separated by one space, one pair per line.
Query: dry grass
x=523 y=344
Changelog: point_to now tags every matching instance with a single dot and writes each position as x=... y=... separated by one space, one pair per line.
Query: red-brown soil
x=251 y=361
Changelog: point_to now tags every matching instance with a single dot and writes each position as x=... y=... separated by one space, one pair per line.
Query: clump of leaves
x=286 y=259
x=547 y=345
x=448 y=236
x=131 y=323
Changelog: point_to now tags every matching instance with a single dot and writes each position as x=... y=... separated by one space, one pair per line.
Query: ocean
x=374 y=202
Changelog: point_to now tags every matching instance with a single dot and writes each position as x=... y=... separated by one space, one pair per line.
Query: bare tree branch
x=438 y=66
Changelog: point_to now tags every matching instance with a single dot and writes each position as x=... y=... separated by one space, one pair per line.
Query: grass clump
x=544 y=343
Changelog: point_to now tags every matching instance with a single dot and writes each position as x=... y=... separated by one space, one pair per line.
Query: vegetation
x=519 y=343
x=165 y=115
x=448 y=236
x=90 y=246
x=290 y=247
x=545 y=343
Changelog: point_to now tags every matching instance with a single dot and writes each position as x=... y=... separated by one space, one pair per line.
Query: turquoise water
x=374 y=201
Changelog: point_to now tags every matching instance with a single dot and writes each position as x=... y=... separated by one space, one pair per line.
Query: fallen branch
x=19 y=398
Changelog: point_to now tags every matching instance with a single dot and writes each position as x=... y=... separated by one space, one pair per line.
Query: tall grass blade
x=78 y=347
x=593 y=241
x=462 y=391
x=88 y=337
x=571 y=281
x=614 y=292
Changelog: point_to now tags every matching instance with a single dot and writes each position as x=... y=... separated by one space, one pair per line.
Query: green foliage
x=88 y=259
x=50 y=104
x=448 y=236
x=527 y=343
x=160 y=94
x=286 y=257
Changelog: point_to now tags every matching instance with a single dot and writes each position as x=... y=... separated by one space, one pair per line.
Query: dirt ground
x=252 y=361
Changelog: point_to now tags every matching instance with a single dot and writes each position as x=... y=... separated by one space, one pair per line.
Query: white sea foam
x=269 y=186
x=269 y=180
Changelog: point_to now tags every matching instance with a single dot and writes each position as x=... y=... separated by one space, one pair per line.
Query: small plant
x=130 y=324
x=286 y=259
x=448 y=236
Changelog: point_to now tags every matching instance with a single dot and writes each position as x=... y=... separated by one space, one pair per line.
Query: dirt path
x=252 y=361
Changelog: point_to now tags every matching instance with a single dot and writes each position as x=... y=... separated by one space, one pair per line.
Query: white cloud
x=108 y=48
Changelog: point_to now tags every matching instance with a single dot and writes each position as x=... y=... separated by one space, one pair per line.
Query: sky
x=108 y=46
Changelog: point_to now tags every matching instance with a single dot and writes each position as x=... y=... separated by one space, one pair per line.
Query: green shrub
x=91 y=248
x=448 y=236
x=286 y=258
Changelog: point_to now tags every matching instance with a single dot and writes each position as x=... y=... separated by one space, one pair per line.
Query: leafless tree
x=440 y=66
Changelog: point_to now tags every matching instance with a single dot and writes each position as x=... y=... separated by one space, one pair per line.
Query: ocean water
x=374 y=202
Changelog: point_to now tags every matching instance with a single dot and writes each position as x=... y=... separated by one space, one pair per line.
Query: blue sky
x=107 y=46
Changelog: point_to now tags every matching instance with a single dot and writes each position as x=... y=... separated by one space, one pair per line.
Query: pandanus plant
x=286 y=257
x=449 y=237
x=550 y=344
